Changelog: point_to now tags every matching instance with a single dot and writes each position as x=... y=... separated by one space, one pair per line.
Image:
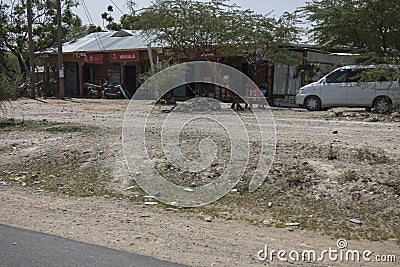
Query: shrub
x=9 y=88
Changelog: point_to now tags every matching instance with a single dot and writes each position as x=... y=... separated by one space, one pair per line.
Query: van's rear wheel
x=312 y=103
x=382 y=105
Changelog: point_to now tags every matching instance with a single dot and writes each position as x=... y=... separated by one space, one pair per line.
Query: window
x=338 y=76
x=354 y=76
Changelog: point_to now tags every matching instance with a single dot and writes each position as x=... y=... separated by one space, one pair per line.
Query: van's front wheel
x=312 y=103
x=382 y=105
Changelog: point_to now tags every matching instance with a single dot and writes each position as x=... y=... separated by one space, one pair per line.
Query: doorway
x=130 y=79
x=72 y=79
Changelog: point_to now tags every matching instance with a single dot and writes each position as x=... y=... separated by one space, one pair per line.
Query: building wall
x=279 y=80
x=99 y=73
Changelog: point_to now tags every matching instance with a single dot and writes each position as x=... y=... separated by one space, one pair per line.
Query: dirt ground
x=65 y=174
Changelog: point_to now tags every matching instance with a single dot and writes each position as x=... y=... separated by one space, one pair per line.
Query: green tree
x=4 y=64
x=368 y=27
x=9 y=79
x=9 y=88
x=111 y=24
x=191 y=27
x=14 y=31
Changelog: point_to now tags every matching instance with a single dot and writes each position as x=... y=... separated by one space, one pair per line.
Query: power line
x=117 y=7
x=87 y=12
x=97 y=37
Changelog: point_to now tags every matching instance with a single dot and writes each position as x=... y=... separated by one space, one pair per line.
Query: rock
x=150 y=203
x=188 y=190
x=356 y=221
x=198 y=105
x=335 y=132
x=266 y=222
x=292 y=224
x=374 y=119
x=171 y=209
x=208 y=219
x=395 y=115
x=269 y=205
x=356 y=196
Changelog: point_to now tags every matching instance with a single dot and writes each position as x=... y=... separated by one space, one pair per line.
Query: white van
x=341 y=88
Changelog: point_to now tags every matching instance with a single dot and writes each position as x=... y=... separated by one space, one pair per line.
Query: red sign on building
x=126 y=56
x=93 y=58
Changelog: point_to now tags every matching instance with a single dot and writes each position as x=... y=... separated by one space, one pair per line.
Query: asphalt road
x=20 y=247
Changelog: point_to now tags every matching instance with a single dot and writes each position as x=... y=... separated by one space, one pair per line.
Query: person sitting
x=235 y=102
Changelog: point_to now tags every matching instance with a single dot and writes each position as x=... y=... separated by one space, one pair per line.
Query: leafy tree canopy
x=9 y=79
x=14 y=27
x=368 y=27
x=191 y=27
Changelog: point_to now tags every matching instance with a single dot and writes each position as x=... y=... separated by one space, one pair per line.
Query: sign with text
x=93 y=59
x=126 y=56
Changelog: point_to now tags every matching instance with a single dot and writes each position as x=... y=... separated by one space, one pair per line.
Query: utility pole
x=31 y=55
x=60 y=55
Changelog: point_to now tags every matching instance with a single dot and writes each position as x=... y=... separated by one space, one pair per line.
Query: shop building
x=121 y=56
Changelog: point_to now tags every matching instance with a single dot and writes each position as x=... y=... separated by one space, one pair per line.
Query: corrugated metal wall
x=285 y=82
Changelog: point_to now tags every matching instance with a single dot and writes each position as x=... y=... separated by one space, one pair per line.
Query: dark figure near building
x=235 y=102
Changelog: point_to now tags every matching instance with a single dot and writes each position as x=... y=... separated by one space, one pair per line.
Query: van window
x=373 y=75
x=338 y=76
x=354 y=76
x=388 y=75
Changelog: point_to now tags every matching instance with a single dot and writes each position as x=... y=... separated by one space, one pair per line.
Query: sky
x=97 y=7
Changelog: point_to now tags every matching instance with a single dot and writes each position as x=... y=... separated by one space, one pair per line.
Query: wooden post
x=31 y=54
x=60 y=53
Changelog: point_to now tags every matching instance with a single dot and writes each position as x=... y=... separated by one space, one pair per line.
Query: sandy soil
x=184 y=236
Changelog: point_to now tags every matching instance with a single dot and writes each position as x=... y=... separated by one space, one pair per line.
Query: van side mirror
x=323 y=81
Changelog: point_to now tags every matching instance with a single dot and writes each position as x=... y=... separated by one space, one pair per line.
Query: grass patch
x=372 y=156
x=64 y=173
x=44 y=126
x=333 y=153
x=72 y=172
x=348 y=177
x=314 y=215
x=394 y=184
x=396 y=106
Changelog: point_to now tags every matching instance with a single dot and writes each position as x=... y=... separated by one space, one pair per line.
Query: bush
x=9 y=89
x=372 y=155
